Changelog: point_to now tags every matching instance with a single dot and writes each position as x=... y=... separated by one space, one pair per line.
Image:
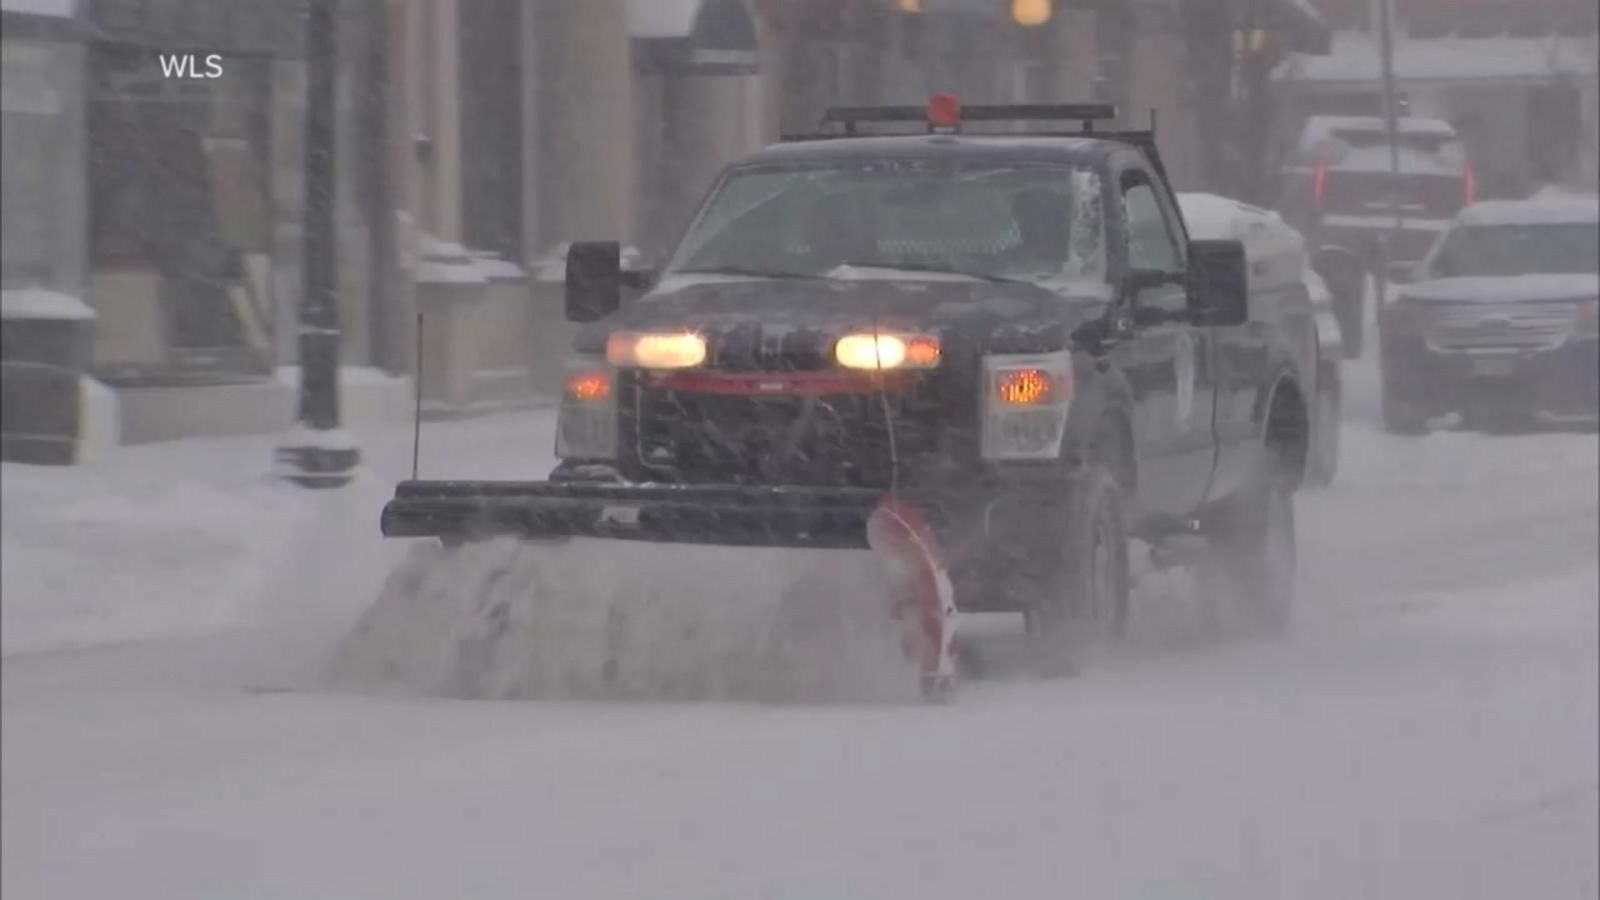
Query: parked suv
x=1499 y=322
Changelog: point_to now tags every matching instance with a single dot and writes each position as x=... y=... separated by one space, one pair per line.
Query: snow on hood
x=1545 y=209
x=38 y=303
x=1487 y=289
x=1220 y=216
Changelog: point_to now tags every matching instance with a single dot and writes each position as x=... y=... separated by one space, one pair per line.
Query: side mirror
x=1219 y=283
x=594 y=280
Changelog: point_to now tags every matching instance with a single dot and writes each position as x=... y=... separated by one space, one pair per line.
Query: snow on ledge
x=39 y=303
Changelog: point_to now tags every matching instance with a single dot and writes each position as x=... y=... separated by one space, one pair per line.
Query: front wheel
x=1081 y=602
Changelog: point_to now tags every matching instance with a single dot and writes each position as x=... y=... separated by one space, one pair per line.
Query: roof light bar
x=1024 y=112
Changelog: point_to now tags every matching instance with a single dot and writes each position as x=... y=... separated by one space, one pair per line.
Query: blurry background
x=476 y=138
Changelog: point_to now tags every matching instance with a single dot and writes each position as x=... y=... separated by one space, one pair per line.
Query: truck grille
x=824 y=441
x=1509 y=326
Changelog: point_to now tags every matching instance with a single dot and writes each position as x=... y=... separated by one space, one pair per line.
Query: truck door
x=1168 y=362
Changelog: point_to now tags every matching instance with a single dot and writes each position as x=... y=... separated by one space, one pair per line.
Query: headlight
x=649 y=350
x=881 y=350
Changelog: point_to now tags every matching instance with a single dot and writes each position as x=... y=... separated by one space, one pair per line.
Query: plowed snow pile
x=507 y=619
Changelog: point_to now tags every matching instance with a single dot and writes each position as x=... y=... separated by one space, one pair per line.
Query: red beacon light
x=944 y=112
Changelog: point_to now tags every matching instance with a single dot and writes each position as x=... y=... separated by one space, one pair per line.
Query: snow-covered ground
x=1429 y=730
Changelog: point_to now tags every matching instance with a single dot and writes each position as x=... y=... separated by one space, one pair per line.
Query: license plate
x=1493 y=367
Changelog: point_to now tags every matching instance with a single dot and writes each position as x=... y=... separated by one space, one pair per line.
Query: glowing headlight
x=644 y=350
x=887 y=351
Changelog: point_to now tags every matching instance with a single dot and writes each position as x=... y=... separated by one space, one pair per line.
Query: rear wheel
x=1081 y=600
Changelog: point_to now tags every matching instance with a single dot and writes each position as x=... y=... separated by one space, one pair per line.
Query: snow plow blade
x=822 y=518
x=921 y=598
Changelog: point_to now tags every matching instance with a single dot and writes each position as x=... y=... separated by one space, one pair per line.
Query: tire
x=1081 y=599
x=1400 y=416
x=1251 y=570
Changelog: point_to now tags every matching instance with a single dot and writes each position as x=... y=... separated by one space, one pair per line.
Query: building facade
x=477 y=138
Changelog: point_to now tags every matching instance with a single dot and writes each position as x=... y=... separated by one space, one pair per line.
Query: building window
x=35 y=163
x=491 y=126
x=179 y=204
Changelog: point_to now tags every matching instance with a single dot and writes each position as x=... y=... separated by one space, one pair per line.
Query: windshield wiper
x=746 y=270
x=936 y=270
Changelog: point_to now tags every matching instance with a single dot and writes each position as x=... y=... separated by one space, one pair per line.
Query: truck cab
x=988 y=323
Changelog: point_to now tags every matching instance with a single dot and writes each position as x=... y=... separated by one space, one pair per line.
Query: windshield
x=1519 y=250
x=908 y=219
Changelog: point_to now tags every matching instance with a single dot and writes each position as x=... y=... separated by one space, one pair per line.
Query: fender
x=1285 y=377
x=1104 y=393
x=1285 y=364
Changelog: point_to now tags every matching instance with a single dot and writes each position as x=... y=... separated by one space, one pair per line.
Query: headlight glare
x=882 y=350
x=649 y=350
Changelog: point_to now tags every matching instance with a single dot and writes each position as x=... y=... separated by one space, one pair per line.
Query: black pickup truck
x=1011 y=332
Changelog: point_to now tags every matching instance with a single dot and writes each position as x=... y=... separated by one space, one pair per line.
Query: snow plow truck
x=991 y=357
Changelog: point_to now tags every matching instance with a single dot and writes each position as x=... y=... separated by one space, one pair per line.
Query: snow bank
x=188 y=537
x=90 y=561
x=101 y=428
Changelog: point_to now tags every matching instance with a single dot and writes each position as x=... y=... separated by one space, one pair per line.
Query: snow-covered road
x=1429 y=731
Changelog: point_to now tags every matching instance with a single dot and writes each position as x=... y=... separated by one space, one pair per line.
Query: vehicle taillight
x=1319 y=184
x=944 y=111
x=1469 y=185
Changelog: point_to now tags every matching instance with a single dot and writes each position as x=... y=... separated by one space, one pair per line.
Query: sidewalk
x=186 y=537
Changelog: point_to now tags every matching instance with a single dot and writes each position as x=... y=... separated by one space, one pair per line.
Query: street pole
x=1391 y=124
x=318 y=453
x=1255 y=111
